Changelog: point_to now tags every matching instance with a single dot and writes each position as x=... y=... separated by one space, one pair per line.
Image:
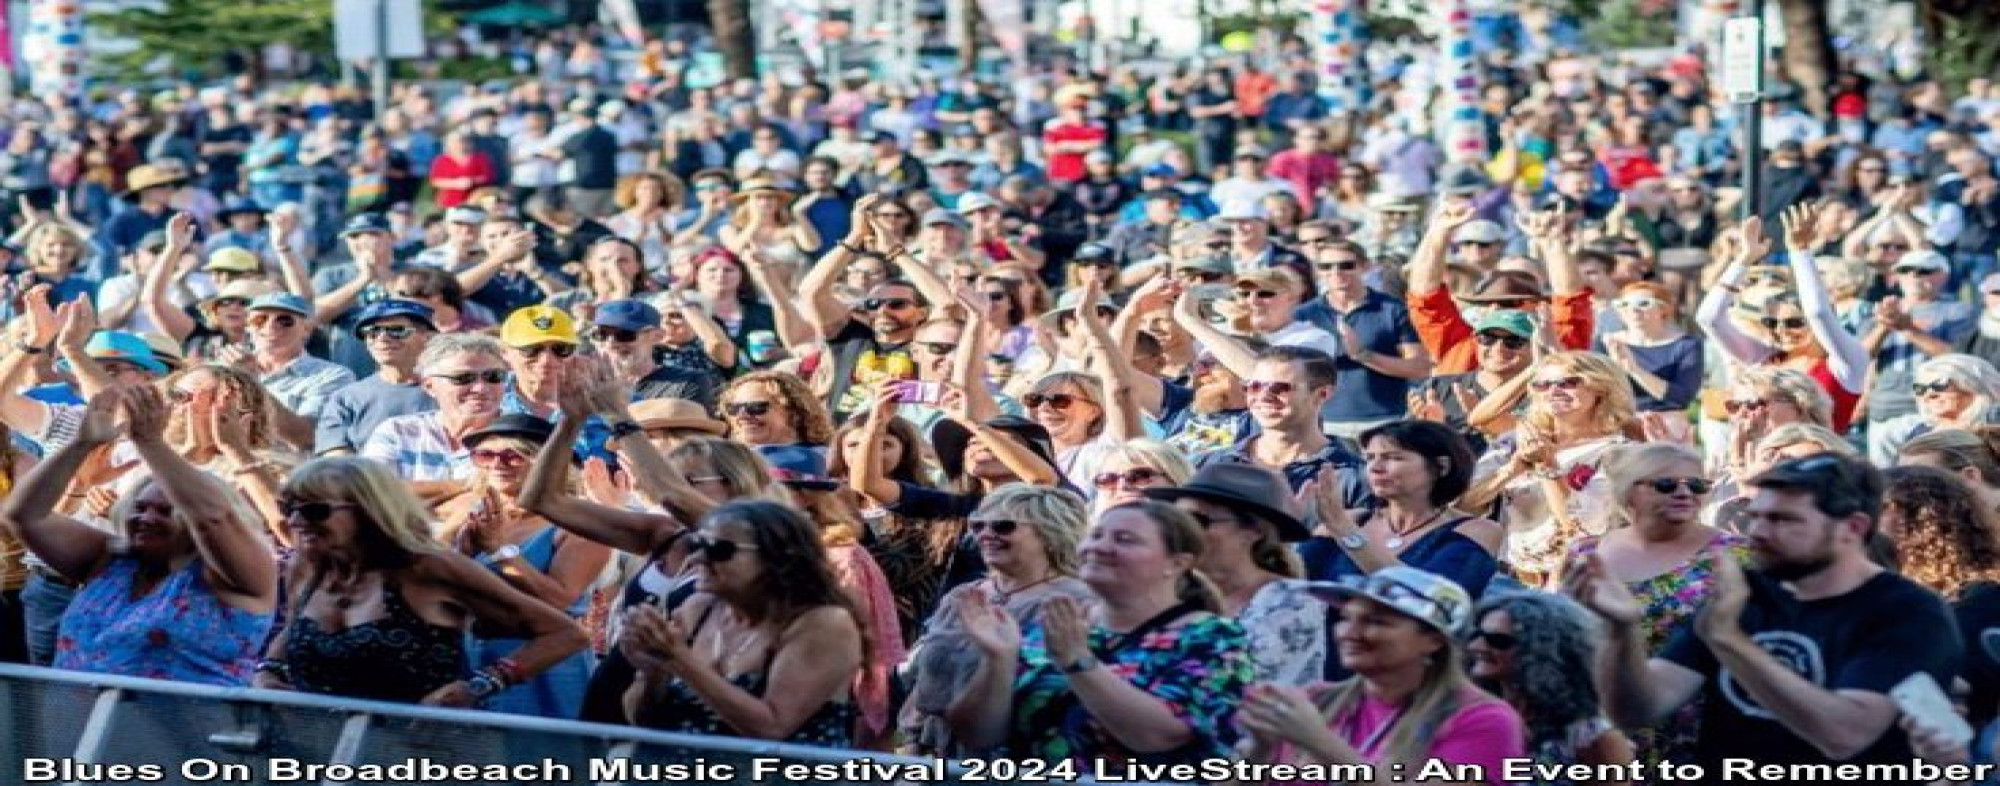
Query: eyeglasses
x=1342 y=265
x=1512 y=342
x=398 y=332
x=755 y=408
x=1259 y=387
x=511 y=459
x=491 y=376
x=1260 y=294
x=935 y=347
x=617 y=335
x=1745 y=405
x=996 y=297
x=1939 y=386
x=1915 y=271
x=312 y=512
x=1322 y=240
x=231 y=302
x=716 y=550
x=891 y=303
x=1135 y=477
x=1498 y=641
x=1871 y=170
x=1566 y=383
x=1217 y=245
x=1891 y=247
x=1669 y=485
x=1791 y=323
x=1001 y=527
x=699 y=479
x=1056 y=401
x=1638 y=303
x=1204 y=276
x=895 y=214
x=281 y=320
x=1478 y=243
x=559 y=350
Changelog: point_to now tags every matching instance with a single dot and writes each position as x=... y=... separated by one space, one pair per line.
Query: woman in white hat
x=765 y=225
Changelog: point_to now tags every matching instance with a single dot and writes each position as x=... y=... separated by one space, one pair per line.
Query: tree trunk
x=968 y=52
x=1808 y=56
x=730 y=19
x=1964 y=39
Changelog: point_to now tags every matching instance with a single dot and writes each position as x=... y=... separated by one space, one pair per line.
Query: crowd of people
x=1124 y=417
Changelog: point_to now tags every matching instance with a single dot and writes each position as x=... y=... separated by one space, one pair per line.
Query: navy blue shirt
x=1352 y=472
x=1361 y=393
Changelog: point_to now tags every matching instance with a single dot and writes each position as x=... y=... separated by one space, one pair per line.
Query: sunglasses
x=312 y=512
x=1638 y=303
x=1566 y=383
x=868 y=272
x=1939 y=386
x=559 y=350
x=1056 y=401
x=181 y=396
x=1511 y=341
x=716 y=550
x=1218 y=245
x=1791 y=323
x=891 y=303
x=491 y=376
x=1915 y=271
x=617 y=335
x=1260 y=294
x=231 y=302
x=1892 y=247
x=935 y=347
x=1343 y=266
x=1258 y=387
x=757 y=408
x=1204 y=276
x=1668 y=485
x=1516 y=304
x=1478 y=243
x=1001 y=527
x=895 y=214
x=996 y=297
x=1497 y=641
x=282 y=320
x=1746 y=405
x=511 y=459
x=397 y=332
x=1326 y=240
x=1139 y=476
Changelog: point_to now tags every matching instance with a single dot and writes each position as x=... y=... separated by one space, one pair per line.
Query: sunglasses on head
x=388 y=331
x=1258 y=387
x=491 y=376
x=1668 y=485
x=1055 y=401
x=617 y=335
x=1001 y=527
x=1745 y=405
x=1490 y=338
x=758 y=408
x=1137 y=476
x=281 y=320
x=1793 y=323
x=312 y=512
x=714 y=550
x=1497 y=641
x=559 y=350
x=1344 y=265
x=511 y=459
x=1939 y=386
x=1566 y=383
x=891 y=303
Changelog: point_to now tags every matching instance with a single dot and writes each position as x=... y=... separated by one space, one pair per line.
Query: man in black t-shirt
x=594 y=153
x=1793 y=661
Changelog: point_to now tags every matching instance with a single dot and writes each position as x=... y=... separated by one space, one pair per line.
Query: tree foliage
x=196 y=35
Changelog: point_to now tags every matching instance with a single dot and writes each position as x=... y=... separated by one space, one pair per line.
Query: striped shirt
x=419 y=449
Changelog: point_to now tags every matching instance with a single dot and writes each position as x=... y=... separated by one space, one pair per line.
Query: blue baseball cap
x=799 y=466
x=1160 y=170
x=385 y=309
x=126 y=347
x=366 y=222
x=282 y=301
x=628 y=314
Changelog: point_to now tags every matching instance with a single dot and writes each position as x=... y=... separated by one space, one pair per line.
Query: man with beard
x=628 y=333
x=1503 y=338
x=1793 y=660
x=867 y=353
x=466 y=374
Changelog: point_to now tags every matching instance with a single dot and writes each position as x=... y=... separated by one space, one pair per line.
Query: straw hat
x=754 y=185
x=677 y=413
x=144 y=176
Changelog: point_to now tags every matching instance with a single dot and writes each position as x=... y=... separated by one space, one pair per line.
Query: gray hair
x=1057 y=516
x=1556 y=641
x=444 y=347
x=1976 y=374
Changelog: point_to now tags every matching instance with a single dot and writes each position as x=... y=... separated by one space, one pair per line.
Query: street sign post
x=1743 y=59
x=378 y=31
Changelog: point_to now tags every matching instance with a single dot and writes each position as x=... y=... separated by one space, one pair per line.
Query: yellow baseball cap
x=233 y=260
x=533 y=325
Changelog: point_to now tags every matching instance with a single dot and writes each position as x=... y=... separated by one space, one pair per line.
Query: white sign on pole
x=1743 y=59
x=354 y=31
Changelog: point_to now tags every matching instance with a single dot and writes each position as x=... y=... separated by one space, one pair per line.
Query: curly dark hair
x=1558 y=640
x=1948 y=538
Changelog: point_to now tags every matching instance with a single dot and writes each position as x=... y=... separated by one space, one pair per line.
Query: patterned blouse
x=1199 y=668
x=1670 y=601
x=1287 y=630
x=179 y=631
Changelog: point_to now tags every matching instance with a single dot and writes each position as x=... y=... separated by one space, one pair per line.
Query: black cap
x=1095 y=253
x=519 y=424
x=951 y=439
x=366 y=222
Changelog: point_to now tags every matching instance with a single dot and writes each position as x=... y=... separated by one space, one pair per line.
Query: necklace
x=1396 y=536
x=1003 y=596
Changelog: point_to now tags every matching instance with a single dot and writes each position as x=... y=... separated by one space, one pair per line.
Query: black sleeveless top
x=680 y=709
x=400 y=657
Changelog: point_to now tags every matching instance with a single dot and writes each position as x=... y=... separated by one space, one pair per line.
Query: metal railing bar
x=97 y=731
x=347 y=749
x=621 y=750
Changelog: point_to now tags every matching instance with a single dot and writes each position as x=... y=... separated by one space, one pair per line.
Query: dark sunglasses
x=559 y=350
x=1258 y=387
x=225 y=302
x=1915 y=271
x=1746 y=405
x=758 y=408
x=1343 y=265
x=1260 y=294
x=1773 y=323
x=618 y=335
x=1001 y=527
x=511 y=459
x=1517 y=304
x=312 y=512
x=1479 y=243
x=891 y=303
x=1204 y=276
x=1566 y=383
x=281 y=320
x=1498 y=641
x=491 y=376
x=1325 y=240
x=1668 y=485
x=388 y=331
x=715 y=550
x=1939 y=386
x=1056 y=401
x=1138 y=476
x=1511 y=341
x=1216 y=246
x=935 y=347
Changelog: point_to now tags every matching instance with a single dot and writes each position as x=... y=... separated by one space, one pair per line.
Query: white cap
x=1243 y=208
x=974 y=201
x=1481 y=231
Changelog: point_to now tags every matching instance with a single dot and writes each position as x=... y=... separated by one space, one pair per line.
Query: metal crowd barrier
x=69 y=727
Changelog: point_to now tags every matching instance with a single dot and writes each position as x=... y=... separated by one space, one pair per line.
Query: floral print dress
x=1287 y=630
x=1199 y=668
x=179 y=631
x=1669 y=601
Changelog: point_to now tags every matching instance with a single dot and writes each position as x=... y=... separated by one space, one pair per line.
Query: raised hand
x=1721 y=617
x=1066 y=628
x=1589 y=583
x=1752 y=245
x=601 y=486
x=1427 y=405
x=1320 y=498
x=1800 y=222
x=100 y=417
x=283 y=223
x=1452 y=215
x=145 y=414
x=1156 y=294
x=79 y=322
x=39 y=326
x=180 y=232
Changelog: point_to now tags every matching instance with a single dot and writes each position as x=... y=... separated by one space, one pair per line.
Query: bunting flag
x=1337 y=33
x=1461 y=126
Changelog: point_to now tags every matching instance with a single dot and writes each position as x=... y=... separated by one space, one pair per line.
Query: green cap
x=1507 y=319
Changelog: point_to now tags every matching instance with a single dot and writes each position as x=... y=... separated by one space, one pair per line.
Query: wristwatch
x=1353 y=541
x=1081 y=665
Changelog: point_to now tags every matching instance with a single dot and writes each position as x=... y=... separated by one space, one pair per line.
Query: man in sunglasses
x=1441 y=324
x=1503 y=338
x=466 y=375
x=1379 y=349
x=874 y=345
x=299 y=384
x=1794 y=660
x=1922 y=323
x=628 y=333
x=540 y=340
x=396 y=332
x=1287 y=388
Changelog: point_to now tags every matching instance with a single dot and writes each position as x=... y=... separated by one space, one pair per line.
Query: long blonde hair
x=1436 y=699
x=1615 y=406
x=392 y=519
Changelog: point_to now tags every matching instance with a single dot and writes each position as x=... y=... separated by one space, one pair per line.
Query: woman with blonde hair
x=1547 y=481
x=1027 y=537
x=1128 y=469
x=53 y=252
x=1953 y=391
x=1761 y=398
x=1664 y=361
x=648 y=202
x=1070 y=404
x=221 y=420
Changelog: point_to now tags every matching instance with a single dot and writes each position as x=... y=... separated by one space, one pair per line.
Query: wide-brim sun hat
x=1431 y=599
